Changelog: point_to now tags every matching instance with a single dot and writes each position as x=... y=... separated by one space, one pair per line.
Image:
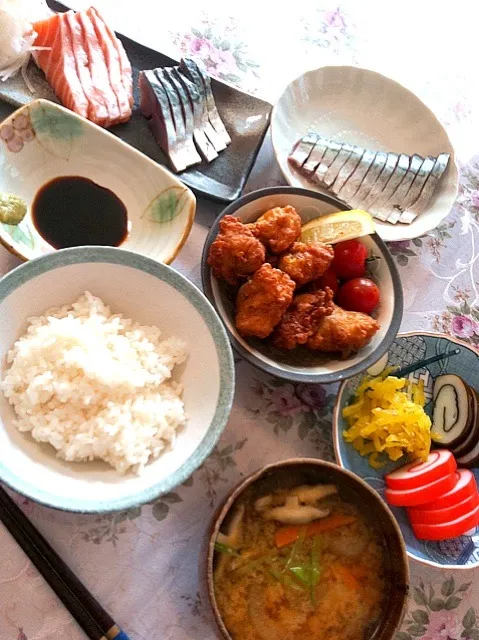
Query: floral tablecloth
x=142 y=564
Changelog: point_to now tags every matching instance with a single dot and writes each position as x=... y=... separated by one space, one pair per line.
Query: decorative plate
x=457 y=553
x=365 y=108
x=43 y=140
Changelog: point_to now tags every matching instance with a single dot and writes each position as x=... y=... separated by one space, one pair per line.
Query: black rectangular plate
x=246 y=118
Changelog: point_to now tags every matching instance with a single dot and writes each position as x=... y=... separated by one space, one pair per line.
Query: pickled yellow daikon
x=387 y=420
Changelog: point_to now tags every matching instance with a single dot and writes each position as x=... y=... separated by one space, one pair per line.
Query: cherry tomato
x=328 y=279
x=359 y=294
x=349 y=259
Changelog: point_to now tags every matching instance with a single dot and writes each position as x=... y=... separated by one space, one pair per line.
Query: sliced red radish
x=420 y=495
x=448 y=530
x=442 y=516
x=453 y=414
x=473 y=437
x=465 y=487
x=439 y=463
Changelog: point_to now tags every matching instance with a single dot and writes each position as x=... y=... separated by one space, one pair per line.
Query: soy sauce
x=71 y=211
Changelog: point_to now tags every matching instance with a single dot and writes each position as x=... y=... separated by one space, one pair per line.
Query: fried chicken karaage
x=343 y=331
x=306 y=262
x=278 y=228
x=262 y=302
x=302 y=318
x=236 y=252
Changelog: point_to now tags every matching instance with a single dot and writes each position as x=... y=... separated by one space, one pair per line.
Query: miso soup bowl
x=288 y=474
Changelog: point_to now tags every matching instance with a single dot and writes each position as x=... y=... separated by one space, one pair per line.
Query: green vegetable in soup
x=12 y=208
x=224 y=548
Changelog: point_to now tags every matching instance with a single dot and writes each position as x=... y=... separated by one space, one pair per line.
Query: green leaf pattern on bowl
x=167 y=205
x=21 y=233
x=57 y=131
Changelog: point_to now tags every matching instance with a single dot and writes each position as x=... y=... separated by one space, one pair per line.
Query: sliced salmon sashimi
x=86 y=66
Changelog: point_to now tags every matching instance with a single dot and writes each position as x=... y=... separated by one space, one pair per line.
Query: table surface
x=142 y=564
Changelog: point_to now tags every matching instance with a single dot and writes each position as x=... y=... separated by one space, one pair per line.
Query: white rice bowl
x=96 y=385
x=154 y=295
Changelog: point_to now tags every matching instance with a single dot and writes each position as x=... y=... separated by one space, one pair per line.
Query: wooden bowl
x=289 y=473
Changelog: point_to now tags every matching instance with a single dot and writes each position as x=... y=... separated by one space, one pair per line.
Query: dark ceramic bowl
x=300 y=364
x=298 y=471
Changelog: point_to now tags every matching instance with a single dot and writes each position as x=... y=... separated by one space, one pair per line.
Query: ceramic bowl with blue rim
x=43 y=141
x=457 y=553
x=300 y=364
x=150 y=293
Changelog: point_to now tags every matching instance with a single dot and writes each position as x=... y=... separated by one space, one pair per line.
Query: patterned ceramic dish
x=152 y=294
x=42 y=141
x=459 y=553
x=298 y=471
x=365 y=108
x=300 y=364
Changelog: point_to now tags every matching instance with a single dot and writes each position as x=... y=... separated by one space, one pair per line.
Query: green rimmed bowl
x=152 y=294
x=42 y=141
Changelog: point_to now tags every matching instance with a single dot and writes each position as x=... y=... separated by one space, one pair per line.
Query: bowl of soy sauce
x=69 y=183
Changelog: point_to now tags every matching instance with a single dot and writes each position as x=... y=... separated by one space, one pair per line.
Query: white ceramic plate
x=364 y=108
x=43 y=140
x=152 y=294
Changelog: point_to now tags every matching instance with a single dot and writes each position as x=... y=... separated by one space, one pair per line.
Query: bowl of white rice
x=116 y=379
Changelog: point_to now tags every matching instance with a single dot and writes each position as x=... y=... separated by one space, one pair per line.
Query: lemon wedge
x=336 y=227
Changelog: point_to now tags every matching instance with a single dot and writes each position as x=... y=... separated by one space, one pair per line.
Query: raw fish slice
x=316 y=156
x=355 y=179
x=378 y=209
x=429 y=186
x=191 y=72
x=114 y=65
x=155 y=106
x=382 y=180
x=343 y=155
x=407 y=217
x=58 y=63
x=418 y=182
x=213 y=115
x=303 y=149
x=347 y=169
x=182 y=146
x=395 y=201
x=369 y=181
x=97 y=107
x=186 y=112
x=125 y=65
x=98 y=70
x=201 y=122
x=327 y=160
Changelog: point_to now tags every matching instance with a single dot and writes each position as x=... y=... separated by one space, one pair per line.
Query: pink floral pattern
x=225 y=58
x=17 y=132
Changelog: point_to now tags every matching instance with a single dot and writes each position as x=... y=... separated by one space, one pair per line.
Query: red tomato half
x=443 y=516
x=349 y=259
x=360 y=294
x=420 y=495
x=439 y=463
x=449 y=530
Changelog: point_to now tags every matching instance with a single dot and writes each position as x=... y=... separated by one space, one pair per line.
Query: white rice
x=96 y=385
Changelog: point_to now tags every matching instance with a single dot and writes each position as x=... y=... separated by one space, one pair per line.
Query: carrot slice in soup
x=287 y=535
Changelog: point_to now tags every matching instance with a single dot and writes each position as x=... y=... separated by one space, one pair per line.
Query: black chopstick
x=86 y=610
x=422 y=363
